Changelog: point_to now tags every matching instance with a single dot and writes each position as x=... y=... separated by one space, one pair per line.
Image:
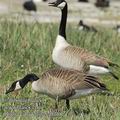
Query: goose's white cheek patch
x=36 y=1
x=62 y=5
x=81 y=28
x=119 y=30
x=18 y=87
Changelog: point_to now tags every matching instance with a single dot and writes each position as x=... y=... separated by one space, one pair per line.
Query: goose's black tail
x=113 y=64
x=113 y=75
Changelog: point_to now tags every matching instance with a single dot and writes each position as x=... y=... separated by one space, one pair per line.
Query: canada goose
x=61 y=84
x=82 y=26
x=102 y=3
x=71 y=57
x=30 y=5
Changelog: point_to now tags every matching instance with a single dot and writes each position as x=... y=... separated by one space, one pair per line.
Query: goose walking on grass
x=61 y=84
x=82 y=26
x=71 y=57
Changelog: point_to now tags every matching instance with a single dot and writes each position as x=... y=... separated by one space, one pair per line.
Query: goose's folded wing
x=88 y=82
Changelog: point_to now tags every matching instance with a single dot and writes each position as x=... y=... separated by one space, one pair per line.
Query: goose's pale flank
x=63 y=84
x=68 y=56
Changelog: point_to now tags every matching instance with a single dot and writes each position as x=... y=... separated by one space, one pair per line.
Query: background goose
x=102 y=3
x=30 y=5
x=117 y=28
x=71 y=57
x=82 y=26
x=82 y=0
x=61 y=84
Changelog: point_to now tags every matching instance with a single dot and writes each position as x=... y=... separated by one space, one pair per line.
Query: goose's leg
x=56 y=103
x=67 y=104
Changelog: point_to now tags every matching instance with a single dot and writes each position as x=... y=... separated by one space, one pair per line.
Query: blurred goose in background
x=118 y=28
x=61 y=84
x=82 y=26
x=30 y=5
x=82 y=0
x=102 y=3
x=71 y=57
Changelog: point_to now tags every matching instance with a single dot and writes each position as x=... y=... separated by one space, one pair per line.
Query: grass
x=26 y=48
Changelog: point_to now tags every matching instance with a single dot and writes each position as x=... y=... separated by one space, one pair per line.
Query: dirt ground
x=13 y=10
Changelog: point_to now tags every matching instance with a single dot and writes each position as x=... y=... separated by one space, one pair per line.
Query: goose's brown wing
x=83 y=81
x=86 y=56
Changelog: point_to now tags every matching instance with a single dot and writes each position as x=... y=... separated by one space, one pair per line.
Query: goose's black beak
x=52 y=4
x=8 y=91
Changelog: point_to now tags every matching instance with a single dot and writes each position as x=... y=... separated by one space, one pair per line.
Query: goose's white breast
x=60 y=45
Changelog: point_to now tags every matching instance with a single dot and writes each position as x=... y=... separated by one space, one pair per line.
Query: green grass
x=26 y=48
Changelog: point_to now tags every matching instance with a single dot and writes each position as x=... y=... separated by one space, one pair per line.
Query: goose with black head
x=61 y=84
x=72 y=57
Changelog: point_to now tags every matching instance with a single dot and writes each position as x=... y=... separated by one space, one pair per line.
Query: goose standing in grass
x=71 y=57
x=82 y=26
x=61 y=84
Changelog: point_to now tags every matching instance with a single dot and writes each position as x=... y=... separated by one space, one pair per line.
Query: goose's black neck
x=23 y=82
x=62 y=28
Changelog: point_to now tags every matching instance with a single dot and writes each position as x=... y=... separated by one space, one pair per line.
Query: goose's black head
x=58 y=3
x=81 y=22
x=118 y=26
x=20 y=84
